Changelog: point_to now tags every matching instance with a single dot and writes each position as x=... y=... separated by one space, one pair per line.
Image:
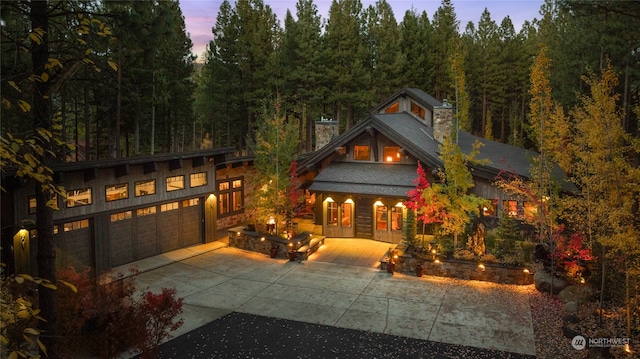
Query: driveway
x=328 y=289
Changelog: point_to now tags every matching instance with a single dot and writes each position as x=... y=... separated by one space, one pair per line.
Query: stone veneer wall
x=240 y=237
x=462 y=270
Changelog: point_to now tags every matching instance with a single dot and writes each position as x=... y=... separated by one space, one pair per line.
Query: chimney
x=326 y=129
x=443 y=121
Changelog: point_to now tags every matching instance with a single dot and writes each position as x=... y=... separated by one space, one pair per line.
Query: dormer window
x=392 y=154
x=417 y=110
x=361 y=153
x=394 y=108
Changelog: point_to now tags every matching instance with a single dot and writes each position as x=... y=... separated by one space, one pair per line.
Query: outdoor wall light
x=481 y=266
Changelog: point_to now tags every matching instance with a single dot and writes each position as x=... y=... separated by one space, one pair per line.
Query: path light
x=526 y=271
x=481 y=266
x=238 y=234
x=262 y=239
x=627 y=348
x=437 y=261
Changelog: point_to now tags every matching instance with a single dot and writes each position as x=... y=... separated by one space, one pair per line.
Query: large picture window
x=396 y=218
x=145 y=188
x=231 y=196
x=116 y=192
x=175 y=183
x=198 y=179
x=79 y=197
x=361 y=153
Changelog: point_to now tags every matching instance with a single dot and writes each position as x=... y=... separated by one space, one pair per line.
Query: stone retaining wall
x=462 y=270
x=240 y=237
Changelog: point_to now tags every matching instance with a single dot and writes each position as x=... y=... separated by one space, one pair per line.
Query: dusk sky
x=200 y=15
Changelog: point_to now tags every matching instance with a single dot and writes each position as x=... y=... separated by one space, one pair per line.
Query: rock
x=569 y=333
x=571 y=307
x=542 y=281
x=576 y=293
x=570 y=318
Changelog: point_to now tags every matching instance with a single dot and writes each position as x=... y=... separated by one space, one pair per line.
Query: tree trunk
x=44 y=214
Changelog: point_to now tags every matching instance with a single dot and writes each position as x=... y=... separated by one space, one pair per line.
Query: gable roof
x=366 y=178
x=422 y=98
x=415 y=137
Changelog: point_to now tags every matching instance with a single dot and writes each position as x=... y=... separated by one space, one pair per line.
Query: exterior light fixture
x=395 y=256
x=434 y=251
x=437 y=261
x=526 y=271
x=329 y=199
x=349 y=200
x=378 y=203
x=399 y=204
x=481 y=266
x=262 y=239
x=238 y=234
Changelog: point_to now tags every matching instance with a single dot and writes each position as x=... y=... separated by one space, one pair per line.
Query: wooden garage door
x=191 y=212
x=146 y=239
x=168 y=227
x=74 y=245
x=121 y=249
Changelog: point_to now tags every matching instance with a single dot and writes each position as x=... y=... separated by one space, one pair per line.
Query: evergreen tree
x=416 y=35
x=445 y=32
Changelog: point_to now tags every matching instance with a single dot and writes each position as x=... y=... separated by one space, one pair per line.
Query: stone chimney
x=443 y=121
x=326 y=129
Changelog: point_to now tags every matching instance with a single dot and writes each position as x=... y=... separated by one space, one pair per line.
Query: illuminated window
x=332 y=213
x=396 y=218
x=72 y=226
x=392 y=154
x=361 y=153
x=120 y=216
x=168 y=206
x=190 y=202
x=79 y=197
x=146 y=211
x=33 y=205
x=417 y=110
x=381 y=218
x=491 y=209
x=530 y=210
x=198 y=179
x=175 y=183
x=145 y=188
x=510 y=208
x=345 y=216
x=117 y=191
x=395 y=107
x=231 y=196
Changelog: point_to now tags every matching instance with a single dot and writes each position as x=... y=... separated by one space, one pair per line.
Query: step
x=305 y=251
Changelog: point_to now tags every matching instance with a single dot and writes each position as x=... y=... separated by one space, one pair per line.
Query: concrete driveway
x=343 y=290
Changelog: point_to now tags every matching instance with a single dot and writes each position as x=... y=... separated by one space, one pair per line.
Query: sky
x=200 y=15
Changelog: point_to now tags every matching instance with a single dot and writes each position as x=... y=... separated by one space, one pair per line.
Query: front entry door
x=364 y=218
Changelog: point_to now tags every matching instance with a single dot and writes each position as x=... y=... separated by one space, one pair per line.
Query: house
x=360 y=179
x=121 y=210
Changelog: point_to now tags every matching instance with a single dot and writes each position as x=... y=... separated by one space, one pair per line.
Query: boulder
x=571 y=307
x=542 y=281
x=576 y=293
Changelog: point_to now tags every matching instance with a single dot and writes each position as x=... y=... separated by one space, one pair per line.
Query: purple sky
x=200 y=15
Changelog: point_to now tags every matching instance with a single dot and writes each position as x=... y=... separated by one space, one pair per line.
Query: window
x=190 y=202
x=361 y=153
x=332 y=213
x=120 y=216
x=198 y=179
x=381 y=218
x=79 y=197
x=116 y=192
x=146 y=211
x=510 y=208
x=395 y=107
x=417 y=110
x=530 y=210
x=33 y=205
x=168 y=206
x=145 y=188
x=72 y=226
x=396 y=218
x=175 y=183
x=392 y=154
x=345 y=216
x=231 y=196
x=490 y=210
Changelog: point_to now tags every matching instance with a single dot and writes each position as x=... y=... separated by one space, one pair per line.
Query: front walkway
x=341 y=286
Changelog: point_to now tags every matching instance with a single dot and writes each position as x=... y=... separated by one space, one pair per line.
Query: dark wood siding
x=191 y=225
x=364 y=218
x=146 y=236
